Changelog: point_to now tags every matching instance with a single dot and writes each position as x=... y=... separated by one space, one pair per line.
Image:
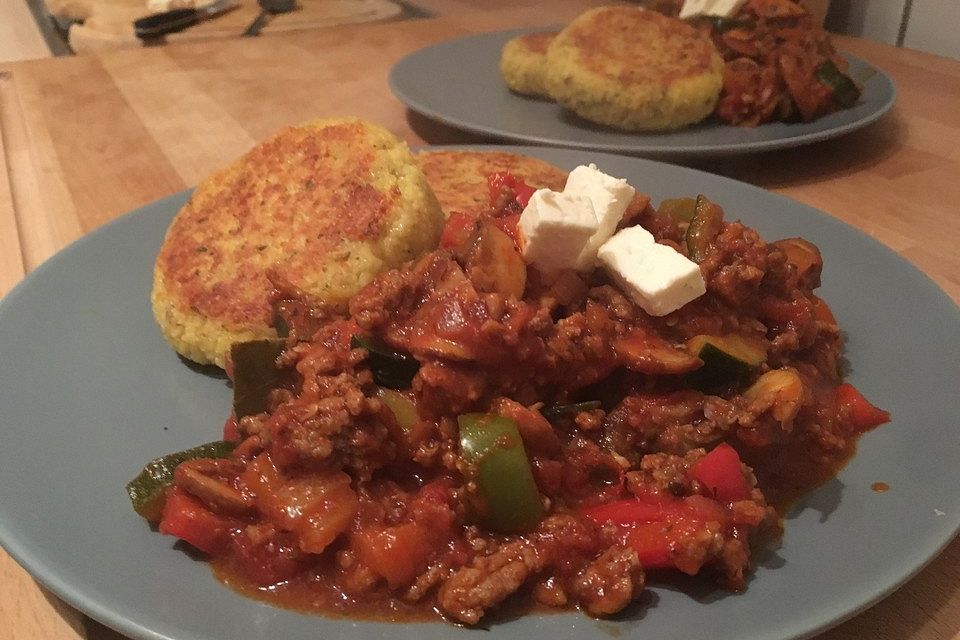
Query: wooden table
x=85 y=139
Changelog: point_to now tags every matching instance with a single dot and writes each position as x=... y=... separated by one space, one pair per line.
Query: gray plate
x=89 y=391
x=458 y=82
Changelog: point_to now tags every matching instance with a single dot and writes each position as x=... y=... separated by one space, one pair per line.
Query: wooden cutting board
x=108 y=24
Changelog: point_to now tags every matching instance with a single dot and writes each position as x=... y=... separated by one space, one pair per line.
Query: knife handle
x=160 y=24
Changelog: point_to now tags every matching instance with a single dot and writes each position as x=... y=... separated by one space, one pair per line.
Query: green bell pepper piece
x=506 y=497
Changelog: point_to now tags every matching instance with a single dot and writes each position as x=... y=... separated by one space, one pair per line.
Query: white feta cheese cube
x=721 y=8
x=610 y=197
x=655 y=276
x=554 y=229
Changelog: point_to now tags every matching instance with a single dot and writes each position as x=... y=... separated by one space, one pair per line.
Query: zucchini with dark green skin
x=721 y=24
x=726 y=360
x=555 y=411
x=148 y=490
x=255 y=375
x=392 y=369
x=845 y=91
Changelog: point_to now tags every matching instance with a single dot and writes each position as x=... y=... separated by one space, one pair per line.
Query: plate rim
x=76 y=597
x=652 y=151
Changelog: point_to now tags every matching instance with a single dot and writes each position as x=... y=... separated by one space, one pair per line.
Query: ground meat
x=673 y=422
x=489 y=580
x=610 y=582
x=446 y=388
x=579 y=348
x=736 y=264
x=416 y=536
x=663 y=473
x=550 y=592
x=697 y=547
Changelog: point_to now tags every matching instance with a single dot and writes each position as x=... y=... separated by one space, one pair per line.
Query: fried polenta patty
x=634 y=69
x=324 y=206
x=459 y=178
x=523 y=63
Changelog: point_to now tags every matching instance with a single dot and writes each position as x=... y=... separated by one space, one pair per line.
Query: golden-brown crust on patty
x=459 y=178
x=635 y=46
x=523 y=63
x=326 y=206
x=634 y=69
x=536 y=42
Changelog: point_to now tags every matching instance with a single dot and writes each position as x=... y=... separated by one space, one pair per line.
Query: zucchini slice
x=678 y=209
x=390 y=368
x=844 y=90
x=726 y=360
x=148 y=490
x=255 y=375
x=705 y=225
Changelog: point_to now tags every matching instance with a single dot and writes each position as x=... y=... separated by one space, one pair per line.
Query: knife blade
x=175 y=20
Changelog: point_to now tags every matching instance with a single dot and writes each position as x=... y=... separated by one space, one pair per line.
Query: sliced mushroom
x=209 y=480
x=779 y=392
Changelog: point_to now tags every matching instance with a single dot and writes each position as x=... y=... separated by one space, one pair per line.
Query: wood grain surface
x=88 y=138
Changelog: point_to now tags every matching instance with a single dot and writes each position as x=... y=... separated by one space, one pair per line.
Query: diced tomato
x=188 y=519
x=231 y=431
x=721 y=473
x=457 y=230
x=502 y=181
x=863 y=415
x=397 y=553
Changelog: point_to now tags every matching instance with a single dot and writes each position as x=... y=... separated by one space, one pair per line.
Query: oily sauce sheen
x=552 y=448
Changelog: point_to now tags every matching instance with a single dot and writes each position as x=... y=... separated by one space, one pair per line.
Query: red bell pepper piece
x=653 y=543
x=863 y=415
x=628 y=512
x=721 y=473
x=188 y=519
x=654 y=525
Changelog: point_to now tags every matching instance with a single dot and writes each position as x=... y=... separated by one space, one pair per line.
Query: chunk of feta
x=554 y=228
x=721 y=8
x=654 y=275
x=610 y=198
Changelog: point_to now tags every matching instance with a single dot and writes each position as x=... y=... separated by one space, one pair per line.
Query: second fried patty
x=634 y=69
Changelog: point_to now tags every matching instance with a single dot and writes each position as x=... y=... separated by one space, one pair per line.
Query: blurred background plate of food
x=781 y=82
